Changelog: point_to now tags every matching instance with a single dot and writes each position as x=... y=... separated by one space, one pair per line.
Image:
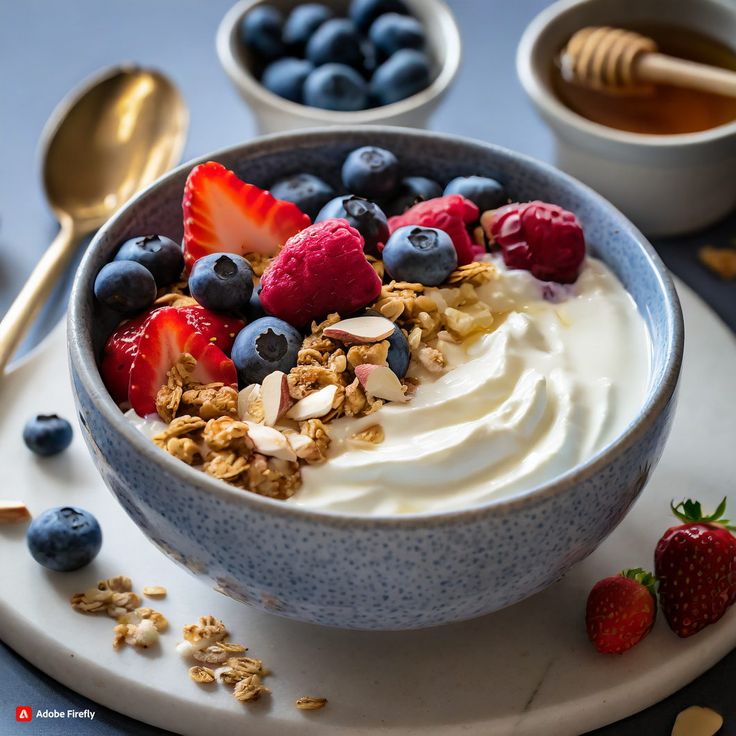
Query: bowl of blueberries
x=339 y=62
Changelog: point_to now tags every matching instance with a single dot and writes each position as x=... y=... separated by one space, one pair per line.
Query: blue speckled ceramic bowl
x=387 y=572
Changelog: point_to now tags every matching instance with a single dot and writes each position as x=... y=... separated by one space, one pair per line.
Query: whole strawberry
x=620 y=611
x=696 y=566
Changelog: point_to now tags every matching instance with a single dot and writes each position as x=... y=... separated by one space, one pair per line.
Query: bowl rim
x=539 y=92
x=226 y=41
x=84 y=365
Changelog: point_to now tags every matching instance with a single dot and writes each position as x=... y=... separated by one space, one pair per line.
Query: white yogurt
x=554 y=383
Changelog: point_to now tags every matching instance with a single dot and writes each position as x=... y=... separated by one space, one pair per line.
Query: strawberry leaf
x=690 y=512
x=643 y=577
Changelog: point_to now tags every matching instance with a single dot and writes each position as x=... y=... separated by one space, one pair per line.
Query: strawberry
x=451 y=213
x=122 y=346
x=620 y=611
x=118 y=354
x=224 y=214
x=217 y=328
x=165 y=336
x=696 y=565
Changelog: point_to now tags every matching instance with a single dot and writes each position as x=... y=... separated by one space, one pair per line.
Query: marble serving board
x=526 y=670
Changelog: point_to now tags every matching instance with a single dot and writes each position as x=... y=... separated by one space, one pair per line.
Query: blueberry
x=486 y=193
x=402 y=75
x=64 y=538
x=398 y=352
x=47 y=434
x=125 y=286
x=266 y=345
x=335 y=42
x=364 y=12
x=286 y=77
x=255 y=309
x=392 y=32
x=366 y=217
x=222 y=282
x=308 y=192
x=336 y=87
x=302 y=22
x=413 y=189
x=371 y=172
x=420 y=254
x=160 y=255
x=260 y=31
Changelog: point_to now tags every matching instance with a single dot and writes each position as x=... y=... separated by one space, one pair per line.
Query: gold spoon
x=108 y=139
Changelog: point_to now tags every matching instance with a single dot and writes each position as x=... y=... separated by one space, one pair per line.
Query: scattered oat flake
x=307 y=702
x=249 y=689
x=202 y=675
x=697 y=721
x=13 y=512
x=154 y=591
x=722 y=261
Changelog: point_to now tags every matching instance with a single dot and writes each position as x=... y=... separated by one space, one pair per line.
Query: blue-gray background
x=48 y=46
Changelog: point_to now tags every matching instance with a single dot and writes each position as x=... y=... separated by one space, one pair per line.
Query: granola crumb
x=139 y=628
x=113 y=596
x=13 y=512
x=206 y=631
x=169 y=395
x=308 y=702
x=476 y=273
x=721 y=261
x=372 y=435
x=217 y=653
x=202 y=675
x=249 y=689
x=432 y=359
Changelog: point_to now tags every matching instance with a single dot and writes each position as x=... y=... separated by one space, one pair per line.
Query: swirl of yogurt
x=561 y=374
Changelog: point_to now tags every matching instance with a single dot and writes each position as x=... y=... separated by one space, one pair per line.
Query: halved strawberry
x=166 y=335
x=118 y=354
x=224 y=214
x=122 y=346
x=217 y=328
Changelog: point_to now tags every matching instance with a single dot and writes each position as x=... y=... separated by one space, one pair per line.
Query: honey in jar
x=663 y=109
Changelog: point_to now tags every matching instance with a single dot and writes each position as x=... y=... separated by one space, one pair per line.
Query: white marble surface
x=526 y=670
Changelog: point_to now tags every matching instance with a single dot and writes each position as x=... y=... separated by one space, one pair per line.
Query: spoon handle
x=36 y=290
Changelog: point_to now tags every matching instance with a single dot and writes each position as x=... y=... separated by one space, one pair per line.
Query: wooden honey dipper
x=619 y=61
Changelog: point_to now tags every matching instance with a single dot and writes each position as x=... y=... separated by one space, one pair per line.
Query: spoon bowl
x=111 y=137
x=129 y=123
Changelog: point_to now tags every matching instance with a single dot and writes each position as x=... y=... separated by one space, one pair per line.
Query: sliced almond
x=315 y=405
x=381 y=382
x=154 y=591
x=247 y=397
x=13 y=512
x=361 y=329
x=269 y=441
x=697 y=721
x=275 y=397
x=300 y=443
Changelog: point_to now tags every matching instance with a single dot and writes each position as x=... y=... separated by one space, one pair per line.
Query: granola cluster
x=137 y=626
x=236 y=437
x=205 y=643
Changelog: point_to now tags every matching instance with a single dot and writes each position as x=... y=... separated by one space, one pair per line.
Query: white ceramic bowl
x=666 y=184
x=274 y=113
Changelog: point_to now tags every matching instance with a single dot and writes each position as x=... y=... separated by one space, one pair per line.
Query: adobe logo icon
x=24 y=713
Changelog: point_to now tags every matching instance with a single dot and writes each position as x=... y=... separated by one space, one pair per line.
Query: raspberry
x=451 y=214
x=319 y=270
x=541 y=238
